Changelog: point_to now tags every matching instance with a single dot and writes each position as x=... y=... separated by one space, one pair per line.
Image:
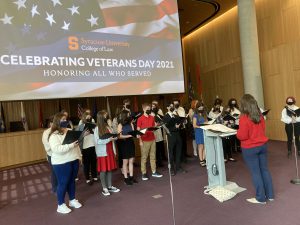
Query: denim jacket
x=100 y=144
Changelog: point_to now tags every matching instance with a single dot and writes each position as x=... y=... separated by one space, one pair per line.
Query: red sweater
x=250 y=134
x=144 y=122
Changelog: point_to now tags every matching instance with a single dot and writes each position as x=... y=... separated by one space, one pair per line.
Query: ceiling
x=195 y=13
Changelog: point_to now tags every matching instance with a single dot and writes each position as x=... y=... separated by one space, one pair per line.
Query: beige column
x=250 y=50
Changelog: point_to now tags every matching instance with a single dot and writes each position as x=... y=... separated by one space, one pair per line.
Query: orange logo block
x=73 y=43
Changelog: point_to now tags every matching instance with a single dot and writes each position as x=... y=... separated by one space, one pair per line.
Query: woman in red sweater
x=251 y=133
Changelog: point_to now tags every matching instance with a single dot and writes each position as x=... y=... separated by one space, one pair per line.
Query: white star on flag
x=34 y=11
x=50 y=19
x=21 y=4
x=74 y=10
x=93 y=20
x=56 y=2
x=6 y=19
x=66 y=26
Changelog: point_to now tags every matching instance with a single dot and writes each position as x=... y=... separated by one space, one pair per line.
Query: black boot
x=131 y=178
x=127 y=181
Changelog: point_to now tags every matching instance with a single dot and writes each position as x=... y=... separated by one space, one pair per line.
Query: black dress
x=126 y=145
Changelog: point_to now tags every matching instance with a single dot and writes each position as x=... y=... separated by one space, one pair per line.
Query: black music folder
x=265 y=112
x=108 y=135
x=151 y=128
x=291 y=112
x=73 y=136
x=176 y=121
x=229 y=117
x=135 y=133
x=89 y=127
x=209 y=119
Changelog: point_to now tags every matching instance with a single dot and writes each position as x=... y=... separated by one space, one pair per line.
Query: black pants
x=227 y=146
x=236 y=144
x=160 y=152
x=184 y=144
x=89 y=162
x=175 y=149
x=289 y=134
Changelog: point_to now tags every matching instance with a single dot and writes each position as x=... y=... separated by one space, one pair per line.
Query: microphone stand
x=297 y=179
x=169 y=168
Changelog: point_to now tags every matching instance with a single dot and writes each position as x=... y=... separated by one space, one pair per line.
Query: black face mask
x=64 y=124
x=148 y=111
x=127 y=120
x=217 y=109
x=128 y=106
x=290 y=103
x=172 y=109
x=89 y=120
x=176 y=106
x=155 y=110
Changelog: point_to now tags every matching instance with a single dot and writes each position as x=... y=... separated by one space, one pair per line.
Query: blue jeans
x=53 y=176
x=256 y=160
x=66 y=174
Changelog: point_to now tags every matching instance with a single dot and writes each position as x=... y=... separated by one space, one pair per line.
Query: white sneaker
x=75 y=204
x=113 y=189
x=63 y=209
x=105 y=192
x=253 y=200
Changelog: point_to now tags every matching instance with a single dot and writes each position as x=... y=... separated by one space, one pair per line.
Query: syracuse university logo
x=73 y=43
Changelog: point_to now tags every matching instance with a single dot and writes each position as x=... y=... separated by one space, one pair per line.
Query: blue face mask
x=64 y=124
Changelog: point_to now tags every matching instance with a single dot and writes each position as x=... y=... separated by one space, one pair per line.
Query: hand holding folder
x=136 y=133
x=109 y=135
x=73 y=136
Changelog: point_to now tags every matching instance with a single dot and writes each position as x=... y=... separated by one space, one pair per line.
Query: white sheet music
x=218 y=128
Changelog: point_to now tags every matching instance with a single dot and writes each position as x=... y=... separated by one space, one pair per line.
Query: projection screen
x=83 y=48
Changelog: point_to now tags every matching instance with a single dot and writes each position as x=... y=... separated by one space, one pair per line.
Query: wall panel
x=278 y=23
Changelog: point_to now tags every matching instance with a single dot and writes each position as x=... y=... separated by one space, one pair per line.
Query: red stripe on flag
x=118 y=16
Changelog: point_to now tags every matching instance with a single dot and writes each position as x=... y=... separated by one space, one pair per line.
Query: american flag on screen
x=48 y=20
x=34 y=22
x=152 y=18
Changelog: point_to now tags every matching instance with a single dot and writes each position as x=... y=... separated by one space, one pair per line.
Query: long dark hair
x=56 y=124
x=119 y=109
x=249 y=107
x=102 y=122
x=124 y=117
